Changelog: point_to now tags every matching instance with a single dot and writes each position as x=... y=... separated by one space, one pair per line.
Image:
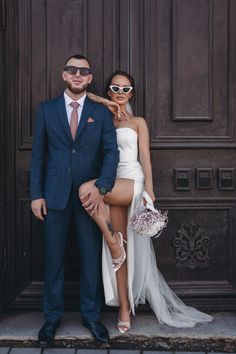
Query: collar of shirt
x=68 y=100
x=69 y=108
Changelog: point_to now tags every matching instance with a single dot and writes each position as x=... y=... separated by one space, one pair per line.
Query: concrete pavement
x=83 y=351
x=19 y=330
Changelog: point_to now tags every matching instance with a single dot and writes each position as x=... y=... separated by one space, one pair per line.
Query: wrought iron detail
x=192 y=245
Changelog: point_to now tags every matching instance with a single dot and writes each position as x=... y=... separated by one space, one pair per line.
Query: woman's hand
x=117 y=112
x=151 y=194
x=114 y=108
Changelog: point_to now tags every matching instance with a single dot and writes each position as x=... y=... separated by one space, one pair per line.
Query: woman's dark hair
x=79 y=57
x=121 y=73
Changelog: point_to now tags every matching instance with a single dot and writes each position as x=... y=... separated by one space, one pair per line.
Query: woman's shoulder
x=140 y=121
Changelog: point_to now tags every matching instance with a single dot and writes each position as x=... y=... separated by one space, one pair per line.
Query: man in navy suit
x=75 y=141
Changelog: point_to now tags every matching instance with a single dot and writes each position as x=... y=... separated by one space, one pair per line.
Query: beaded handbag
x=148 y=221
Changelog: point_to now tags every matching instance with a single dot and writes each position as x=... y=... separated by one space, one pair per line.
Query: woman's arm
x=98 y=99
x=112 y=106
x=144 y=155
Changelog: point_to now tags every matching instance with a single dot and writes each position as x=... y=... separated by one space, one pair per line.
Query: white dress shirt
x=69 y=108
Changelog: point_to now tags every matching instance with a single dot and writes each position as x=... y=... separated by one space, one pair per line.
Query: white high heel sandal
x=117 y=262
x=124 y=326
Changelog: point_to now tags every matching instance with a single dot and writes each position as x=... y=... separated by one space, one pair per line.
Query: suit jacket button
x=73 y=151
x=69 y=170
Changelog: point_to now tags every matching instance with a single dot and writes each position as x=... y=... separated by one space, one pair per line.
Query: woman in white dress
x=130 y=274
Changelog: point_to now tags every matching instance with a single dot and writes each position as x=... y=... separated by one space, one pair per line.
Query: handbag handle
x=149 y=201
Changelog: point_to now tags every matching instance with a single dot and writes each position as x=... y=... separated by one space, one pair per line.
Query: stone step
x=84 y=351
x=19 y=330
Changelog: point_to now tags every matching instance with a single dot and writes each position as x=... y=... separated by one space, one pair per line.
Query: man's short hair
x=78 y=56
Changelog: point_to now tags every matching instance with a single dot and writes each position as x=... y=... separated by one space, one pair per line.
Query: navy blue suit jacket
x=58 y=161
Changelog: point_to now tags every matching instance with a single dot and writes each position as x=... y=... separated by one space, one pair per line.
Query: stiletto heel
x=124 y=326
x=117 y=262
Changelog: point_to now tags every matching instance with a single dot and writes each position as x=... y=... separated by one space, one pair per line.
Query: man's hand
x=91 y=200
x=39 y=208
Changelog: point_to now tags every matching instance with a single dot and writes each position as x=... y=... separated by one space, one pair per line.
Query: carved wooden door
x=182 y=55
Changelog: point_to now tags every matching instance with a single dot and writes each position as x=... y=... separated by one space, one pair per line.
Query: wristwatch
x=102 y=190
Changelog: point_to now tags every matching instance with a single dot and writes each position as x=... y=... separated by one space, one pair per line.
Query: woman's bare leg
x=118 y=216
x=119 y=200
x=121 y=194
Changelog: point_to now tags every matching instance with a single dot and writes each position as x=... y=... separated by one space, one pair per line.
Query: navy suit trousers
x=89 y=241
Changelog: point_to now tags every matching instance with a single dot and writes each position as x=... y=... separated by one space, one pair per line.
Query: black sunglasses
x=72 y=70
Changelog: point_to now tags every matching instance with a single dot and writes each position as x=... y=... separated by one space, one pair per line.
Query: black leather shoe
x=98 y=330
x=47 y=333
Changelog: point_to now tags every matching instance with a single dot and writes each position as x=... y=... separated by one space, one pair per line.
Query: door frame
x=9 y=66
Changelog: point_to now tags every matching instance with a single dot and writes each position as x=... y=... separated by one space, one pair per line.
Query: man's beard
x=76 y=90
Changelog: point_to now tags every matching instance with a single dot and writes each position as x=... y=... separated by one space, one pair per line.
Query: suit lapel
x=61 y=110
x=87 y=109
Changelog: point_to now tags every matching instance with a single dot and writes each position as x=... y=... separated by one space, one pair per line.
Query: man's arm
x=110 y=153
x=105 y=182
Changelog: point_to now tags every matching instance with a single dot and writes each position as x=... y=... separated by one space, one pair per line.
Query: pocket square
x=90 y=120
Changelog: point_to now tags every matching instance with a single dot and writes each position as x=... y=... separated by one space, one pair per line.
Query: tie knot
x=74 y=104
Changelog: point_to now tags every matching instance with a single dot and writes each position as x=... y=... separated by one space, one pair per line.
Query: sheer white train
x=145 y=281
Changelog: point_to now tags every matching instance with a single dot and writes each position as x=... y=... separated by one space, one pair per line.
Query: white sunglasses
x=121 y=89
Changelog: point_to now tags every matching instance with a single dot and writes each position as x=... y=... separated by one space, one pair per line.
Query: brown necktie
x=74 y=119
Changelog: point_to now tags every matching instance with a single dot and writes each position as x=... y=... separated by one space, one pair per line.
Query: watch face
x=102 y=191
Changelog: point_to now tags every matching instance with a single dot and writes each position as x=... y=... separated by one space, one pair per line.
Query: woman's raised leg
x=121 y=194
x=119 y=200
